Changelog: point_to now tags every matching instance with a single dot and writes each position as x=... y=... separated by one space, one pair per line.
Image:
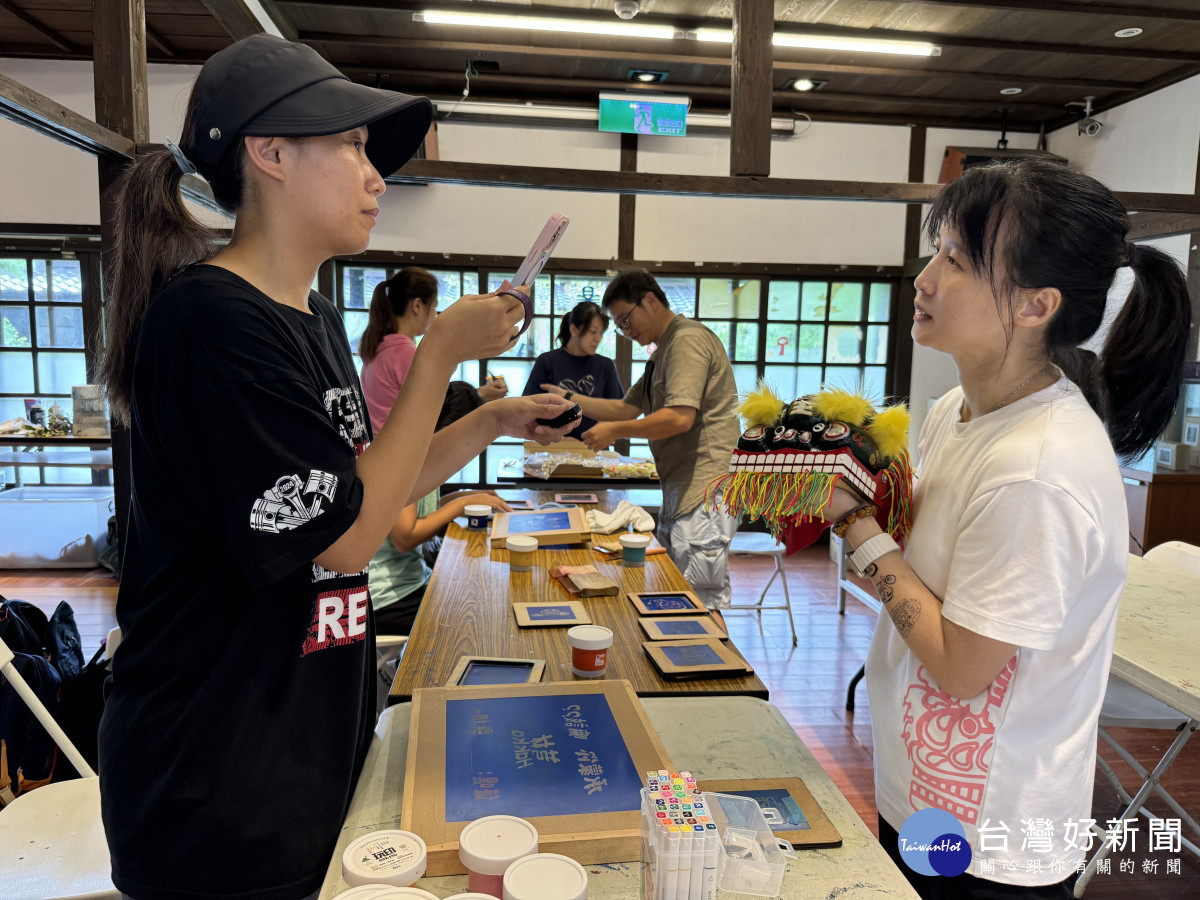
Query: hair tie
x=185 y=165
x=526 y=301
x=1130 y=249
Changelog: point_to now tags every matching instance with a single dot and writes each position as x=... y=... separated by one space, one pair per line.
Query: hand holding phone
x=563 y=418
x=532 y=265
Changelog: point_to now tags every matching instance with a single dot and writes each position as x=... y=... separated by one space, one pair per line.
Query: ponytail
x=581 y=317
x=1140 y=369
x=155 y=237
x=392 y=298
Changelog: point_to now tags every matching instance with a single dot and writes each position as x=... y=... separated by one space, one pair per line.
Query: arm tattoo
x=884 y=587
x=871 y=570
x=905 y=615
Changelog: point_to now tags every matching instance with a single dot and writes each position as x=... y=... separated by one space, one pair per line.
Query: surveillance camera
x=1089 y=127
x=626 y=9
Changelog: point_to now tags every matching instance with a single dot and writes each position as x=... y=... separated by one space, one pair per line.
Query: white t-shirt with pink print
x=1021 y=529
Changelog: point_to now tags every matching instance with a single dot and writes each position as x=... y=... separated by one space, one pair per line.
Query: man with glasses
x=685 y=404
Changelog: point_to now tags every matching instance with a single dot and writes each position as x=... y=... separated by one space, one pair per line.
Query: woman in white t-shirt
x=987 y=675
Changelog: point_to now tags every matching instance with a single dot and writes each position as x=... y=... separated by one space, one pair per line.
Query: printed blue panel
x=556 y=520
x=658 y=602
x=550 y=612
x=696 y=655
x=496 y=673
x=681 y=629
x=536 y=756
x=777 y=804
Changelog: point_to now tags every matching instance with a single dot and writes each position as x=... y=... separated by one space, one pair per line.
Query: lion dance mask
x=791 y=457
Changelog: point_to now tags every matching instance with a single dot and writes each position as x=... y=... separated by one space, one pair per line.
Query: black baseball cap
x=266 y=86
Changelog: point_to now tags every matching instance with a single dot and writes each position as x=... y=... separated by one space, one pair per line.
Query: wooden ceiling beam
x=49 y=117
x=48 y=33
x=235 y=17
x=402 y=10
x=425 y=171
x=631 y=55
x=750 y=94
x=156 y=40
x=1158 y=225
x=1075 y=9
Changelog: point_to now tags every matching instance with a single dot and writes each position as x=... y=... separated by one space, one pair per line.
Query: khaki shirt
x=689 y=367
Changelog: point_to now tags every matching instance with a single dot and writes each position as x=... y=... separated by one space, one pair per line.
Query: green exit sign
x=637 y=113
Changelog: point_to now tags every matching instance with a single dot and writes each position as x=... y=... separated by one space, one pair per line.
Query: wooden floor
x=808 y=683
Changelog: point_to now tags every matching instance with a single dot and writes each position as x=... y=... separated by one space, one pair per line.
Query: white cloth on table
x=620 y=519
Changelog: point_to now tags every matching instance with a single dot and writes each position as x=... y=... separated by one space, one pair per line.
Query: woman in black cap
x=243 y=693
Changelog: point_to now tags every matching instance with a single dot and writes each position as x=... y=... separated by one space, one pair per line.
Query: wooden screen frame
x=635 y=597
x=575 y=534
x=588 y=839
x=521 y=611
x=731 y=663
x=536 y=668
x=651 y=625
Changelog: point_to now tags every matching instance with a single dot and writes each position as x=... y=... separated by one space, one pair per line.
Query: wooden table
x=467 y=611
x=741 y=737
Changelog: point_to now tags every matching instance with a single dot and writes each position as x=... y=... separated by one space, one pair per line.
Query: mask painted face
x=791 y=456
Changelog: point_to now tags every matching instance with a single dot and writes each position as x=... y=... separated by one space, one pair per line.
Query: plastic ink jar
x=384 y=892
x=488 y=846
x=589 y=649
x=545 y=876
x=394 y=858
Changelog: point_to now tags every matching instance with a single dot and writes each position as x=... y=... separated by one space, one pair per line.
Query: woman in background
x=575 y=367
x=402 y=309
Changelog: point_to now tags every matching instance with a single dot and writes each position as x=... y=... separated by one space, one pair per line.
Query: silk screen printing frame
x=694 y=658
x=549 y=526
x=792 y=812
x=566 y=756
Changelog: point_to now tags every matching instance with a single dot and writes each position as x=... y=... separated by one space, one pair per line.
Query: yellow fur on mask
x=889 y=428
x=761 y=406
x=838 y=405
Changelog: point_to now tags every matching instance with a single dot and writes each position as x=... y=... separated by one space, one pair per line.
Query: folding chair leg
x=787 y=600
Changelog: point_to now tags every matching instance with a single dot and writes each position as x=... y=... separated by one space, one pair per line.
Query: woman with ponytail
x=243 y=693
x=987 y=674
x=575 y=367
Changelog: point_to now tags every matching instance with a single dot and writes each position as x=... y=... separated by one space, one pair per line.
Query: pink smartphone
x=541 y=250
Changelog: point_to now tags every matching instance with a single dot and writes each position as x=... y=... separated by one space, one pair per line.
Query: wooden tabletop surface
x=467 y=611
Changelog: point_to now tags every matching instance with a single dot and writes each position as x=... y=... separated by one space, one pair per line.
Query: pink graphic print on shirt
x=950 y=743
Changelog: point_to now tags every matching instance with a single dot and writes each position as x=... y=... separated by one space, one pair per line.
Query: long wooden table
x=467 y=611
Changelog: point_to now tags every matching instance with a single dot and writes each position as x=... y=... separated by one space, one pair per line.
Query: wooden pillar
x=626 y=221
x=119 y=73
x=750 y=95
x=902 y=323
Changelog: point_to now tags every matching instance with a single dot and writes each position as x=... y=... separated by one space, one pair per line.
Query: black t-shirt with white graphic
x=243 y=692
x=591 y=376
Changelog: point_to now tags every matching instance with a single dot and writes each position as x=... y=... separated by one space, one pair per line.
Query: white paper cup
x=488 y=846
x=545 y=876
x=477 y=515
x=633 y=548
x=589 y=649
x=521 y=548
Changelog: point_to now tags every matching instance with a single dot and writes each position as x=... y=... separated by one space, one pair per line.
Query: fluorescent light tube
x=537 y=23
x=821 y=42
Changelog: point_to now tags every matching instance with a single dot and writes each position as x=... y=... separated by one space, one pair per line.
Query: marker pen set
x=681 y=844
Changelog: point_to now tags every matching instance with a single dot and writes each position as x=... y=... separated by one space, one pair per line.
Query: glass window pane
x=847 y=302
x=726 y=298
x=746 y=377
x=812 y=343
x=31 y=475
x=40 y=282
x=877 y=340
x=469 y=474
x=544 y=338
x=873 y=381
x=356 y=324
x=781 y=342
x=808 y=380
x=14 y=280
x=535 y=340
x=572 y=289
x=845 y=344
x=846 y=377
x=542 y=292
x=745 y=299
x=358 y=284
x=16 y=374
x=813 y=300
x=636 y=370
x=60 y=326
x=470 y=282
x=639 y=351
x=784 y=301
x=746 y=342
x=59 y=372
x=495 y=279
x=497 y=452
x=66 y=284
x=14 y=320
x=721 y=329
x=880 y=307
x=13 y=407
x=782 y=381
x=449 y=285
x=681 y=295
x=515 y=373
x=608 y=343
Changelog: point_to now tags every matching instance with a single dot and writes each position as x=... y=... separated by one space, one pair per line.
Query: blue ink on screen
x=660 y=602
x=536 y=756
x=550 y=612
x=496 y=673
x=696 y=655
x=558 y=520
x=682 y=629
x=781 y=811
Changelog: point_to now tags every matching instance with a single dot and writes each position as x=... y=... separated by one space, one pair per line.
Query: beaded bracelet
x=853 y=516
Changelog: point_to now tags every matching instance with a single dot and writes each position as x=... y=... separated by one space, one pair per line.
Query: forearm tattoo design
x=905 y=615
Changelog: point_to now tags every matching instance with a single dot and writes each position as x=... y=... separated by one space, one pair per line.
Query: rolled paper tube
x=526 y=301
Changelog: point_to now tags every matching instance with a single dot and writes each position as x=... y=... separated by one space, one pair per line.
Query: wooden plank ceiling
x=1056 y=53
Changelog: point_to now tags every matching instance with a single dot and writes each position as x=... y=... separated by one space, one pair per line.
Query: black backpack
x=47 y=655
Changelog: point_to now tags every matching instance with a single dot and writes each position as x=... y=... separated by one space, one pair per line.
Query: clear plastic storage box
x=53 y=527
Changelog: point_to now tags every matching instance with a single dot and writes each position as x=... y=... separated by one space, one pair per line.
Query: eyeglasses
x=622 y=322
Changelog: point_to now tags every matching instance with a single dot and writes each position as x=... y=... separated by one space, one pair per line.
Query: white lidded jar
x=545 y=876
x=394 y=858
x=384 y=892
x=488 y=846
